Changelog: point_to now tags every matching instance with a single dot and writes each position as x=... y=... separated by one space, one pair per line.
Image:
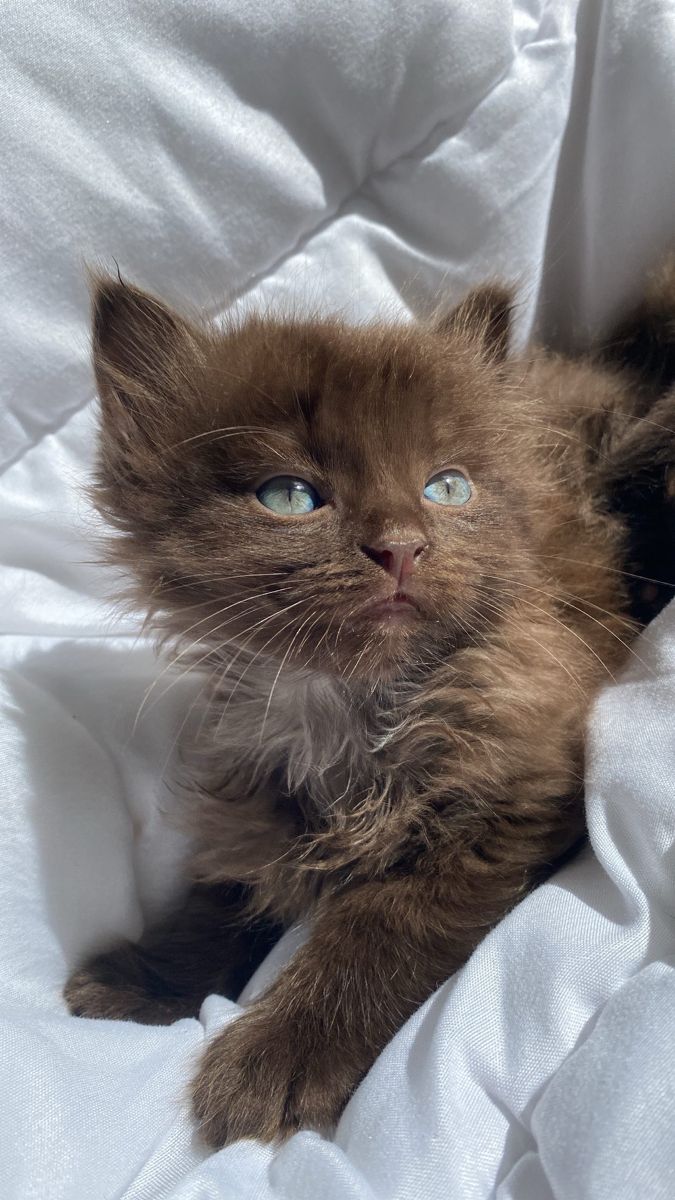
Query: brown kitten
x=402 y=648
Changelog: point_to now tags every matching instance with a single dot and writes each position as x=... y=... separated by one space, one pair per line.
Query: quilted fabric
x=372 y=156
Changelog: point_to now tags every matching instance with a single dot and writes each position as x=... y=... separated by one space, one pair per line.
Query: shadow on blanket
x=100 y=809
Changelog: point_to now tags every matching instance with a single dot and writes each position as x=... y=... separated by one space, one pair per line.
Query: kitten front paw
x=118 y=986
x=268 y=1075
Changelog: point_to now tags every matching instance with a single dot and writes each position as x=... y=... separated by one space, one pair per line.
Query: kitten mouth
x=398 y=607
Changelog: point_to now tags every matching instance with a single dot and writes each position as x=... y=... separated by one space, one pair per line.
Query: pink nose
x=398 y=559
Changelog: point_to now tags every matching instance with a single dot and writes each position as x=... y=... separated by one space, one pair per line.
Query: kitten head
x=319 y=495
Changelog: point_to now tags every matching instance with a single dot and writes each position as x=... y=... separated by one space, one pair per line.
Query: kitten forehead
x=329 y=385
x=308 y=357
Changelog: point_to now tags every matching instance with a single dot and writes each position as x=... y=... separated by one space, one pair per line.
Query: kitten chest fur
x=307 y=784
x=319 y=759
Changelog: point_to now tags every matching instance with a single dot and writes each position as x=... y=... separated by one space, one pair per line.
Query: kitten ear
x=142 y=350
x=147 y=362
x=484 y=317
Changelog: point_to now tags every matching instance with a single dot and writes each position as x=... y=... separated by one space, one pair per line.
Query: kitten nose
x=396 y=558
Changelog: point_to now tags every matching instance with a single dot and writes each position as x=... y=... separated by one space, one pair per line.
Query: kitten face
x=203 y=430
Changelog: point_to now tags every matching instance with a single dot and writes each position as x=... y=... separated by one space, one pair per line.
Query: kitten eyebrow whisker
x=228 y=431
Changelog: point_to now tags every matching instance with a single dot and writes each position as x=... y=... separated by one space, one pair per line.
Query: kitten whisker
x=577 y=608
x=231 y=430
x=256 y=656
x=613 y=570
x=188 y=649
x=547 y=650
x=183 y=581
x=568 y=629
x=280 y=669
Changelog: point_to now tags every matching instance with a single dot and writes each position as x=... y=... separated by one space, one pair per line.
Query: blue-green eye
x=288 y=496
x=448 y=487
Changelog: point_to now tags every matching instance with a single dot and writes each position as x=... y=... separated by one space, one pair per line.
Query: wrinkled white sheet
x=370 y=156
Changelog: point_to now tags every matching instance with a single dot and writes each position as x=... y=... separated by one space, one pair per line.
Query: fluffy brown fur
x=402 y=776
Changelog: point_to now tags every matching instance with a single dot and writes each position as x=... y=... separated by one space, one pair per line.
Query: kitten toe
x=115 y=986
x=266 y=1077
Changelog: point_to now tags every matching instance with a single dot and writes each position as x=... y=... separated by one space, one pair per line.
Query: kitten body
x=398 y=689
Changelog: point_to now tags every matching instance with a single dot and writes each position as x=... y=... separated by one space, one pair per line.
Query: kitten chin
x=406 y=562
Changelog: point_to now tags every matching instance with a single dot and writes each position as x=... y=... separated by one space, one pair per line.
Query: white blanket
x=369 y=156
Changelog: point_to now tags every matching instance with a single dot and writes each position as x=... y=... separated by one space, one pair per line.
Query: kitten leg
x=374 y=955
x=206 y=946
